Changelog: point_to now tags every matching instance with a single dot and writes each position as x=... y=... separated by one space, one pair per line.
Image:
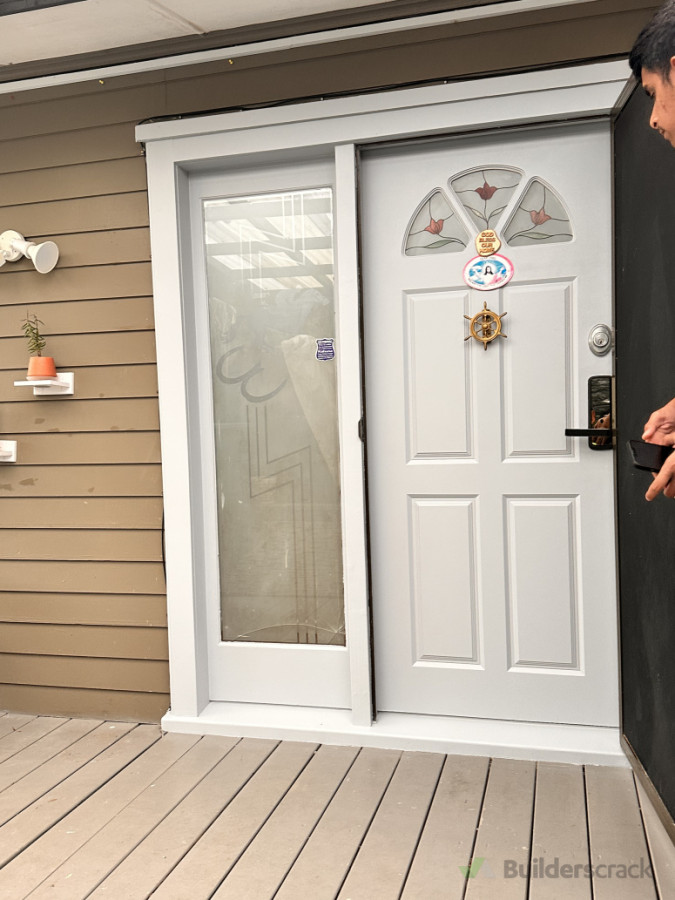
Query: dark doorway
x=645 y=380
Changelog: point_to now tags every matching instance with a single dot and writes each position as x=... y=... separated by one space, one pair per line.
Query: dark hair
x=655 y=45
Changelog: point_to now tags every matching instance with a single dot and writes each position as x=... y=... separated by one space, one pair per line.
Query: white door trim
x=546 y=96
x=580 y=744
x=355 y=574
x=176 y=148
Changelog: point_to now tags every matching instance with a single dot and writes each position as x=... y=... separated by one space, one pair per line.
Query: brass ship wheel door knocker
x=485 y=326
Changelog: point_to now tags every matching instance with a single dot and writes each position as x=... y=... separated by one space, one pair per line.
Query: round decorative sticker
x=487 y=273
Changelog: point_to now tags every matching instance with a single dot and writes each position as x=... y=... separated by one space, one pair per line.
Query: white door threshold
x=578 y=744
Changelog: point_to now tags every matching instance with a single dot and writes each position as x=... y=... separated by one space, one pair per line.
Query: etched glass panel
x=435 y=227
x=270 y=285
x=485 y=193
x=540 y=218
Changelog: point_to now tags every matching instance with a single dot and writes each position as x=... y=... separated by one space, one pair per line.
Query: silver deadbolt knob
x=600 y=339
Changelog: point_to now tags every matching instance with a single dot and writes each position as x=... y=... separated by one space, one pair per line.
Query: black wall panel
x=645 y=380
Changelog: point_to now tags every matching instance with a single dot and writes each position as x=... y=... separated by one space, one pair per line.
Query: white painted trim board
x=576 y=744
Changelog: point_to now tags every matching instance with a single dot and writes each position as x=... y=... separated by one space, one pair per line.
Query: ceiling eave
x=415 y=13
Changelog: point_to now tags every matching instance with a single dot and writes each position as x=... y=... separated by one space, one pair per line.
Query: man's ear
x=672 y=67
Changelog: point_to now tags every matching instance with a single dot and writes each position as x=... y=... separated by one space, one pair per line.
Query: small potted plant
x=39 y=366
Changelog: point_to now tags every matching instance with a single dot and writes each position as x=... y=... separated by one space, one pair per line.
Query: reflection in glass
x=600 y=408
x=270 y=286
x=435 y=227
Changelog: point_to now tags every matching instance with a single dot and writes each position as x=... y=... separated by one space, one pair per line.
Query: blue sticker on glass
x=487 y=273
x=325 y=348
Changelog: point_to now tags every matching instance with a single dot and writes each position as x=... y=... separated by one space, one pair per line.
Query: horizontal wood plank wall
x=82 y=609
x=82 y=601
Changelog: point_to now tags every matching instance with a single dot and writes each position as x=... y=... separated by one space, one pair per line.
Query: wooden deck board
x=207 y=864
x=143 y=870
x=59 y=768
x=504 y=833
x=28 y=734
x=139 y=814
x=67 y=835
x=617 y=838
x=263 y=866
x=449 y=832
x=381 y=865
x=327 y=856
x=86 y=868
x=560 y=860
x=38 y=752
x=25 y=828
x=12 y=722
x=661 y=849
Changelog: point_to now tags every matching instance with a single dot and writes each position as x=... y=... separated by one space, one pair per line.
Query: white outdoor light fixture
x=7 y=451
x=13 y=246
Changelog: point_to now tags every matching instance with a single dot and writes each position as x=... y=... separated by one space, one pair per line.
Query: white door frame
x=333 y=129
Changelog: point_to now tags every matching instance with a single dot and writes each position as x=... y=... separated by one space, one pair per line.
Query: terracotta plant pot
x=41 y=367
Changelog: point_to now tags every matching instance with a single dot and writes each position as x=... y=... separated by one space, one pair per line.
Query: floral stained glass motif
x=540 y=218
x=485 y=193
x=435 y=228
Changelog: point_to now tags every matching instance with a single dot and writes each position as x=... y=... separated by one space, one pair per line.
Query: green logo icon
x=472 y=870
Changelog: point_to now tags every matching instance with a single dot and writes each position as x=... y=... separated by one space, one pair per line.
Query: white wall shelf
x=62 y=385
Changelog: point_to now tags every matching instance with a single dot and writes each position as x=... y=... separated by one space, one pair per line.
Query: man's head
x=652 y=60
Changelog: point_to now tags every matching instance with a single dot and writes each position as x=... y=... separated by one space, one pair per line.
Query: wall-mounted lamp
x=13 y=246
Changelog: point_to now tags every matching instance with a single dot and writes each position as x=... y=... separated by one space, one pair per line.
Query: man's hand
x=660 y=429
x=663 y=480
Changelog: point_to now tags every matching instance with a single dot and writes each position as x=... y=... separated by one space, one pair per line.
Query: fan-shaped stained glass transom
x=484 y=198
x=540 y=218
x=435 y=227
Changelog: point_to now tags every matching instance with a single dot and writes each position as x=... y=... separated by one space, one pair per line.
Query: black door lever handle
x=588 y=432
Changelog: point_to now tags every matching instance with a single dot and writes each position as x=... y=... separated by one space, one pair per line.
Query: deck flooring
x=115 y=810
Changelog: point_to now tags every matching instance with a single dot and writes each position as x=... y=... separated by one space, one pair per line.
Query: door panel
x=492 y=533
x=530 y=431
x=430 y=434
x=542 y=633
x=444 y=633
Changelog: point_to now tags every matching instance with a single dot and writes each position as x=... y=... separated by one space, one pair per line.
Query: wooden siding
x=82 y=613
x=82 y=590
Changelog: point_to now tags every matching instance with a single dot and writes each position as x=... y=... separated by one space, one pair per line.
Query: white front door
x=492 y=533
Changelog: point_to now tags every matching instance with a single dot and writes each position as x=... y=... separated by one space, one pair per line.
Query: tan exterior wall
x=82 y=611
